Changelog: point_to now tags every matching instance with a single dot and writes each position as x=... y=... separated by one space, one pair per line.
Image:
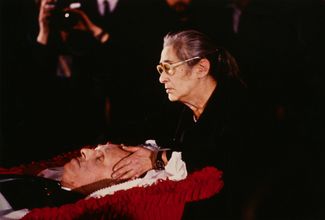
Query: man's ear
x=202 y=68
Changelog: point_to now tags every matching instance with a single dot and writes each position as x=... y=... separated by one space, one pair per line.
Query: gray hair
x=192 y=43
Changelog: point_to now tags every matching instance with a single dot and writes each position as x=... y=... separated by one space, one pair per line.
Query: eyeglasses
x=168 y=68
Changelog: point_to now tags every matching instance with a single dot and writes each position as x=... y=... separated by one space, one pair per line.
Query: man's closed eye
x=100 y=157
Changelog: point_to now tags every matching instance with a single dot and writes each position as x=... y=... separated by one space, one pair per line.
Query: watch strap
x=159 y=164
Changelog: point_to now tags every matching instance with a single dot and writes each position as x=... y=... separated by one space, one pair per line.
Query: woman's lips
x=168 y=90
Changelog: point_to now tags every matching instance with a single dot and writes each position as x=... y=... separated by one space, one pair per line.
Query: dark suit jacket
x=25 y=191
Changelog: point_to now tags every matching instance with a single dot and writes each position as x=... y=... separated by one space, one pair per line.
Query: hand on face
x=93 y=165
x=133 y=166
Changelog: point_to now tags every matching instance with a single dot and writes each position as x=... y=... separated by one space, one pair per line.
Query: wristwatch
x=159 y=164
x=151 y=145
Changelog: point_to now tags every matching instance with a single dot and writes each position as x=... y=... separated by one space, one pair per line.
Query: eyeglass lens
x=163 y=67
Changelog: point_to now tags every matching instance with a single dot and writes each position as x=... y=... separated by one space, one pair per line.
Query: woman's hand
x=134 y=165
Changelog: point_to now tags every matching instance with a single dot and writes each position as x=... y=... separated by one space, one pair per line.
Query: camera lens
x=65 y=20
x=70 y=19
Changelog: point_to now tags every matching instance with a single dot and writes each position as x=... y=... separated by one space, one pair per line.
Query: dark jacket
x=219 y=138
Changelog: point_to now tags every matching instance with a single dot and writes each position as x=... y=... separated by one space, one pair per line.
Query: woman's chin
x=172 y=98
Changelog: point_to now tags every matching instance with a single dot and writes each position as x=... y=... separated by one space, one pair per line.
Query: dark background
x=287 y=78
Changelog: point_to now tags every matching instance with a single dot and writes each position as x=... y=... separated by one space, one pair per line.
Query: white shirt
x=112 y=5
x=236 y=15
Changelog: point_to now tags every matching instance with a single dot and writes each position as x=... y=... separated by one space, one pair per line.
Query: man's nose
x=86 y=153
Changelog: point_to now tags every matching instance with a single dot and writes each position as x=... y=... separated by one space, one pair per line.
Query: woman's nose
x=86 y=153
x=163 y=77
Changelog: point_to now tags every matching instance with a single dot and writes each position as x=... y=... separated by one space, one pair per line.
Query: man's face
x=93 y=165
x=178 y=5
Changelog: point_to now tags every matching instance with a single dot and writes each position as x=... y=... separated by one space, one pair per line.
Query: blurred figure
x=121 y=66
x=181 y=8
x=66 y=41
x=90 y=40
x=171 y=16
x=77 y=64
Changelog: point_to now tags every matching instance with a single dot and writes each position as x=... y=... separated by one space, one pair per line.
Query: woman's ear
x=203 y=67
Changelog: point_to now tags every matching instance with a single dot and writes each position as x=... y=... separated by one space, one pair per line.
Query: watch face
x=160 y=165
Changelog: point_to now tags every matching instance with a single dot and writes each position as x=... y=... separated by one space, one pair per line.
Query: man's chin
x=67 y=185
x=69 y=171
x=74 y=162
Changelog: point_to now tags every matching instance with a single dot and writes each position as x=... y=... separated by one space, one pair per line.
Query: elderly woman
x=211 y=128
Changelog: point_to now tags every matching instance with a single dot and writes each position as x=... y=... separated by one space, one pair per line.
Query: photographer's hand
x=45 y=12
x=85 y=24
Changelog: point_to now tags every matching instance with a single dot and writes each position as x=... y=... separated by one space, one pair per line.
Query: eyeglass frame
x=173 y=65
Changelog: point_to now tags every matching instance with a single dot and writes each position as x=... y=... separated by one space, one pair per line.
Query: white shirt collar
x=112 y=5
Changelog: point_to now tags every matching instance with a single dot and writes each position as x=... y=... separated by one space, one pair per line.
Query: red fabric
x=164 y=200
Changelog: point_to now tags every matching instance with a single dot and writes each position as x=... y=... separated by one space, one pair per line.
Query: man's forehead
x=102 y=147
x=106 y=146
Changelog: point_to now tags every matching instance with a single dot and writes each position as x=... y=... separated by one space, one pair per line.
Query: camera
x=65 y=20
